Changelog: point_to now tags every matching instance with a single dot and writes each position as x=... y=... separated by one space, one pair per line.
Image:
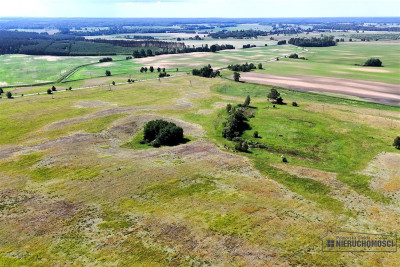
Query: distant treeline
x=122 y=30
x=238 y=34
x=354 y=27
x=313 y=42
x=143 y=43
x=214 y=48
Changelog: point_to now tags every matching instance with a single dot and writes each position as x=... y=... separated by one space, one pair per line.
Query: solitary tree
x=373 y=62
x=1 y=91
x=9 y=94
x=141 y=69
x=259 y=66
x=274 y=94
x=247 y=101
x=113 y=83
x=396 y=142
x=145 y=69
x=255 y=134
x=151 y=68
x=236 y=76
x=49 y=91
x=53 y=88
x=158 y=69
x=108 y=73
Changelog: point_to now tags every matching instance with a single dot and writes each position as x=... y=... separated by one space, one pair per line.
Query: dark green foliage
x=163 y=74
x=313 y=42
x=9 y=94
x=244 y=67
x=106 y=59
x=239 y=34
x=242 y=146
x=213 y=48
x=143 y=53
x=206 y=72
x=160 y=132
x=294 y=104
x=113 y=83
x=236 y=76
x=373 y=62
x=248 y=46
x=1 y=91
x=274 y=94
x=279 y=101
x=151 y=69
x=255 y=134
x=70 y=88
x=260 y=66
x=235 y=125
x=294 y=55
x=283 y=42
x=396 y=142
x=228 y=108
x=53 y=88
x=136 y=54
x=49 y=91
x=247 y=101
x=149 y=53
x=158 y=69
x=108 y=73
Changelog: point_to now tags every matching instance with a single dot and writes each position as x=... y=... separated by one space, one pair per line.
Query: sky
x=200 y=8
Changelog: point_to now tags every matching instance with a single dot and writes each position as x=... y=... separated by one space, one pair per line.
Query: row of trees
x=206 y=71
x=239 y=34
x=244 y=67
x=313 y=42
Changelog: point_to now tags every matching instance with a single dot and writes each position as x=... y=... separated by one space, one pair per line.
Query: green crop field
x=76 y=187
x=22 y=69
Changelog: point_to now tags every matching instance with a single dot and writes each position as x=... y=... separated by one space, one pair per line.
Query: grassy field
x=22 y=69
x=75 y=189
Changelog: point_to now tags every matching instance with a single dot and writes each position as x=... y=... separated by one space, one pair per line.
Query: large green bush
x=160 y=132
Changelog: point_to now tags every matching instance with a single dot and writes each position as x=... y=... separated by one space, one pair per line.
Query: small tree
x=228 y=108
x=141 y=69
x=113 y=83
x=9 y=94
x=149 y=53
x=145 y=69
x=255 y=134
x=49 y=91
x=373 y=62
x=158 y=69
x=279 y=100
x=151 y=68
x=260 y=66
x=396 y=142
x=294 y=104
x=236 y=76
x=108 y=73
x=1 y=91
x=274 y=94
x=53 y=88
x=213 y=48
x=70 y=88
x=247 y=101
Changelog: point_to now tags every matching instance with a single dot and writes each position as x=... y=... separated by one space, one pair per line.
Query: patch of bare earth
x=373 y=91
x=93 y=104
x=385 y=170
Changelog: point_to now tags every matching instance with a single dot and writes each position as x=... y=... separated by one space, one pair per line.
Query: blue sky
x=200 y=8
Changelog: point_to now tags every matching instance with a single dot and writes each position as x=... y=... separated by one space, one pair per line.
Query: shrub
x=113 y=83
x=53 y=88
x=396 y=142
x=260 y=66
x=228 y=108
x=242 y=146
x=279 y=101
x=274 y=94
x=160 y=132
x=294 y=104
x=9 y=94
x=235 y=125
x=373 y=62
x=108 y=73
x=294 y=55
x=70 y=88
x=255 y=134
x=49 y=91
x=163 y=74
x=206 y=71
x=236 y=76
x=247 y=101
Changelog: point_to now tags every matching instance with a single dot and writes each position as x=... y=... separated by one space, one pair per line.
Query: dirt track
x=373 y=91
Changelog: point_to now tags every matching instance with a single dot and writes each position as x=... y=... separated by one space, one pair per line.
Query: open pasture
x=69 y=179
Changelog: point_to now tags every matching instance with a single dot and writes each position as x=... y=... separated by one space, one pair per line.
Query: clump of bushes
x=108 y=73
x=235 y=125
x=243 y=147
x=294 y=104
x=9 y=94
x=163 y=74
x=293 y=55
x=161 y=132
x=275 y=96
x=206 y=71
x=396 y=142
x=373 y=62
x=106 y=59
x=244 y=67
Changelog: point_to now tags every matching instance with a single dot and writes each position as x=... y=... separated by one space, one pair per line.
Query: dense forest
x=313 y=42
x=238 y=34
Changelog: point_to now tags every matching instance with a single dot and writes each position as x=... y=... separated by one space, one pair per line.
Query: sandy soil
x=373 y=91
